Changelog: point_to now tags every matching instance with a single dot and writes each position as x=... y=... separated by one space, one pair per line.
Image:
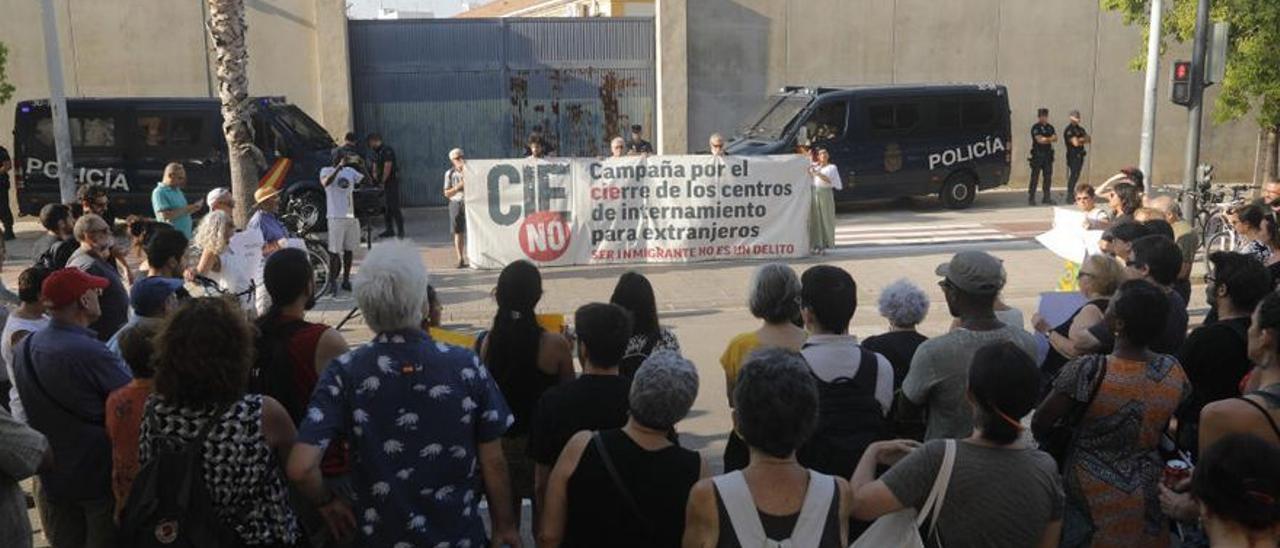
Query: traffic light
x=1180 y=92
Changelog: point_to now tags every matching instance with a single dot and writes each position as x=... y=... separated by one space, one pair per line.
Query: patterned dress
x=241 y=472
x=1113 y=467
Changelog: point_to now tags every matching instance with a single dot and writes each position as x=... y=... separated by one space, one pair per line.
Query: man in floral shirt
x=423 y=419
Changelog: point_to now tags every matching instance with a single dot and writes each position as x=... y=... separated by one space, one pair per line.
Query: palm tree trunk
x=227 y=29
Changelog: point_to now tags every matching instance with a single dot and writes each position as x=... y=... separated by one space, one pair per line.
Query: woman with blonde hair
x=218 y=260
x=1098 y=278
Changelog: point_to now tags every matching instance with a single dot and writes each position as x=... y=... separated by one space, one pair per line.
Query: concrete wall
x=1065 y=54
x=128 y=48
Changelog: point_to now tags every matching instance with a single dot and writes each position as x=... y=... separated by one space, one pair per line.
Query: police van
x=892 y=141
x=124 y=144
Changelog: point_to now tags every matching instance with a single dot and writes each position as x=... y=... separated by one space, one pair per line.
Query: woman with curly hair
x=202 y=360
x=904 y=305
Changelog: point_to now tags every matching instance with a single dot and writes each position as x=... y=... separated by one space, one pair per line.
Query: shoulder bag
x=901 y=529
x=1057 y=442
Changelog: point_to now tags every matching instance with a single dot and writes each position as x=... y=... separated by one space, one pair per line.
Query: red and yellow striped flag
x=274 y=178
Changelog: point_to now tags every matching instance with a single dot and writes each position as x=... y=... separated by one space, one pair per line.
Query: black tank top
x=659 y=481
x=521 y=387
x=780 y=527
x=1054 y=360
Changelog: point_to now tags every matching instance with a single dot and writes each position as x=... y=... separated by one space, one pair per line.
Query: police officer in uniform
x=638 y=146
x=1042 y=138
x=1075 y=137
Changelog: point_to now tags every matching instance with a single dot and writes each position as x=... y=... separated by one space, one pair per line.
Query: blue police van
x=950 y=140
x=124 y=145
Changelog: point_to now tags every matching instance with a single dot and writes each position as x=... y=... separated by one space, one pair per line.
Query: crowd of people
x=1129 y=432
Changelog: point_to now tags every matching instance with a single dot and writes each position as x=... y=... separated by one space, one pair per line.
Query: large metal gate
x=486 y=84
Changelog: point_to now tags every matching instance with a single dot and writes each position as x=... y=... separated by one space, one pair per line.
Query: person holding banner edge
x=822 y=213
x=454 y=187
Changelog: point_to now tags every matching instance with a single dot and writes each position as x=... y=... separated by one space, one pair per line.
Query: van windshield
x=777 y=115
x=307 y=130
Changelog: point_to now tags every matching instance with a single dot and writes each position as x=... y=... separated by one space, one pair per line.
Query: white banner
x=636 y=209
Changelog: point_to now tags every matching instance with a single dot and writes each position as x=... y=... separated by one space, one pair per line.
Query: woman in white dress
x=218 y=260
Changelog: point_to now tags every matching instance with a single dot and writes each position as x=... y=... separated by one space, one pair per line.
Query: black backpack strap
x=1274 y=427
x=598 y=443
x=868 y=369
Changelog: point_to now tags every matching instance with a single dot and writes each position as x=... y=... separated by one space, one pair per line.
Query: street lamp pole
x=58 y=104
x=1145 y=154
x=1195 y=109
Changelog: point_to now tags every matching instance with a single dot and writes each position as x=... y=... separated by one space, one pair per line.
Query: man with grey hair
x=455 y=186
x=423 y=419
x=1184 y=235
x=596 y=400
x=717 y=144
x=617 y=148
x=637 y=462
x=940 y=369
x=94 y=257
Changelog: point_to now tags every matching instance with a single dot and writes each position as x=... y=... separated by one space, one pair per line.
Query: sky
x=368 y=9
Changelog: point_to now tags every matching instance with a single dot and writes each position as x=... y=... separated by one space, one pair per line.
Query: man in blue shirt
x=423 y=419
x=64 y=375
x=170 y=204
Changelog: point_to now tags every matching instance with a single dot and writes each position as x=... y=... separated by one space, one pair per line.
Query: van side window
x=92 y=131
x=170 y=130
x=893 y=118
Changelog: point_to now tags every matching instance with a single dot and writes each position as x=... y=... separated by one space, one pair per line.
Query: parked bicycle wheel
x=1222 y=241
x=318 y=256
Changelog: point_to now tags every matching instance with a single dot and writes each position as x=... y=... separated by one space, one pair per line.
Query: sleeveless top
x=1053 y=361
x=13 y=325
x=242 y=473
x=522 y=387
x=742 y=525
x=659 y=481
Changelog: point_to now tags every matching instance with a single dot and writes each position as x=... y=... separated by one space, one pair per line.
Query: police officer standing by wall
x=385 y=171
x=1042 y=138
x=1075 y=137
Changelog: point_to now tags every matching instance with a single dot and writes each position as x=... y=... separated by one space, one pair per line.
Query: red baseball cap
x=64 y=286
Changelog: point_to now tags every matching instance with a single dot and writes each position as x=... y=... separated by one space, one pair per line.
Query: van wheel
x=959 y=191
x=308 y=207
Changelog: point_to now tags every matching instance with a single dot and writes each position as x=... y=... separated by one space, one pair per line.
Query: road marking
x=919 y=234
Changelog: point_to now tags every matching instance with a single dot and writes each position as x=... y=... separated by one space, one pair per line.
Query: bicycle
x=317 y=249
x=1213 y=217
x=212 y=288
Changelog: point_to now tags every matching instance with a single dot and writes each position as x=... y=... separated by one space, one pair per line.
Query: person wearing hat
x=638 y=146
x=454 y=189
x=220 y=199
x=152 y=299
x=265 y=220
x=64 y=375
x=170 y=204
x=95 y=257
x=1075 y=137
x=971 y=282
x=1043 y=136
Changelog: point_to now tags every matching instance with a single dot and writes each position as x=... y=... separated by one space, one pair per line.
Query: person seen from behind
x=596 y=400
x=855 y=385
x=220 y=199
x=603 y=470
x=26 y=319
x=64 y=374
x=1237 y=484
x=1003 y=492
x=202 y=361
x=125 y=408
x=526 y=360
x=1257 y=411
x=904 y=305
x=59 y=226
x=423 y=421
x=1120 y=404
x=152 y=299
x=774 y=298
x=971 y=282
x=774 y=499
x=634 y=294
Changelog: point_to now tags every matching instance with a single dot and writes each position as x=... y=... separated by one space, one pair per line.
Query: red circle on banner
x=544 y=236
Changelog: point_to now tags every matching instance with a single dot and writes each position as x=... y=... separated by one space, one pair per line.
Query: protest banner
x=637 y=209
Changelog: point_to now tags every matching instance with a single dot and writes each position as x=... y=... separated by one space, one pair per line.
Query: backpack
x=169 y=505
x=272 y=371
x=631 y=362
x=849 y=419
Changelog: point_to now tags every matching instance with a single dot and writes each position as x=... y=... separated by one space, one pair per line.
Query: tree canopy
x=1253 y=67
x=6 y=89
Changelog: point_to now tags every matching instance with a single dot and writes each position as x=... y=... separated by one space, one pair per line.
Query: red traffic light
x=1181 y=70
